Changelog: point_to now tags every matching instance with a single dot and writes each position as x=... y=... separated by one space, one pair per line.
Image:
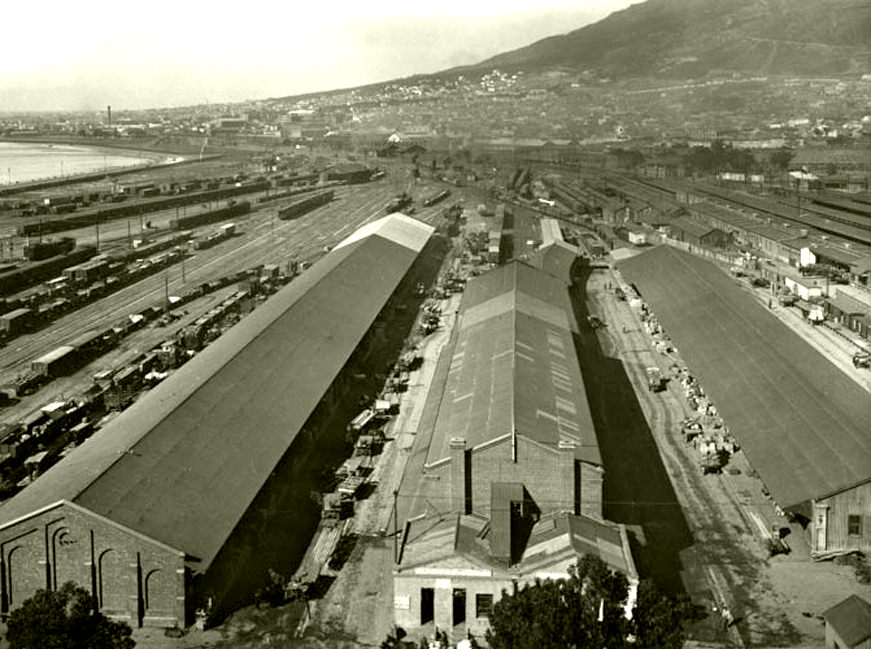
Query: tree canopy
x=587 y=610
x=65 y=619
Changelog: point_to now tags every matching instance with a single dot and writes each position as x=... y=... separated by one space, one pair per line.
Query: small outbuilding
x=848 y=624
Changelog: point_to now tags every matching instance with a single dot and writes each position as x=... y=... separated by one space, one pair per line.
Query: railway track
x=838 y=222
x=265 y=239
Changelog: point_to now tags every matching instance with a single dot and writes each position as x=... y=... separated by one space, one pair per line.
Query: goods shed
x=141 y=512
x=802 y=422
x=510 y=488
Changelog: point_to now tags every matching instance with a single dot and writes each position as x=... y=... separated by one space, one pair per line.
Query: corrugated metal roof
x=515 y=366
x=395 y=227
x=846 y=257
x=556 y=259
x=550 y=231
x=184 y=462
x=801 y=421
x=556 y=539
x=847 y=304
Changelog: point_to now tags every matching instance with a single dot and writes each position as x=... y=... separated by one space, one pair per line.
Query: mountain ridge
x=691 y=38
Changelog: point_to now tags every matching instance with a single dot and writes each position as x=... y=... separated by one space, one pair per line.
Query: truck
x=654 y=379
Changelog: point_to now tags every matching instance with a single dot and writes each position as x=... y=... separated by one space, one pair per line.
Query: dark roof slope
x=515 y=366
x=801 y=421
x=851 y=618
x=691 y=227
x=184 y=462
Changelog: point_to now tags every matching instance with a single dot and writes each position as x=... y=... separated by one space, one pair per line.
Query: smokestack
x=109 y=114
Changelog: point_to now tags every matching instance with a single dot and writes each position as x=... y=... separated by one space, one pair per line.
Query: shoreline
x=157 y=159
x=147 y=146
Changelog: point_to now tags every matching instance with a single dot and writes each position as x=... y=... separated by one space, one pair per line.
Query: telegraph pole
x=395 y=527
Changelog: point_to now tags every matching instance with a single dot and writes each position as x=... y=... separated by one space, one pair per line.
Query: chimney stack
x=109 y=114
x=460 y=498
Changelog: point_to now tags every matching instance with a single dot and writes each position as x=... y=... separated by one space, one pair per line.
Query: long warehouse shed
x=510 y=489
x=803 y=423
x=140 y=512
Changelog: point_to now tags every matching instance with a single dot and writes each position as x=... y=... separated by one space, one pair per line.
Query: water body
x=22 y=162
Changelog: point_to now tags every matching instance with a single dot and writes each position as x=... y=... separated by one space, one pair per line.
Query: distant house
x=698 y=234
x=848 y=624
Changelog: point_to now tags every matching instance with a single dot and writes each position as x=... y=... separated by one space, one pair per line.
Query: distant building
x=555 y=256
x=697 y=233
x=226 y=125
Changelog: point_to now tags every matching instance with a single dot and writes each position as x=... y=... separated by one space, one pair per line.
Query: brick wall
x=407 y=601
x=537 y=468
x=132 y=578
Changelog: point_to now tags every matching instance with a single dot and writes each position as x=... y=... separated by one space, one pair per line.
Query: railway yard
x=141 y=325
x=704 y=530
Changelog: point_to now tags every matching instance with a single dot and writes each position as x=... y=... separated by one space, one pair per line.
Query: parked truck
x=655 y=381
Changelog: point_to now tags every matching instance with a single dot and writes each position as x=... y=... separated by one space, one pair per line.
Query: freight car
x=298 y=179
x=399 y=203
x=138 y=208
x=437 y=198
x=223 y=233
x=232 y=210
x=16 y=322
x=295 y=192
x=25 y=276
x=306 y=205
x=45 y=249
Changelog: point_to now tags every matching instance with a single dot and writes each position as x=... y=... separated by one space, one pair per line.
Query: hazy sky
x=86 y=54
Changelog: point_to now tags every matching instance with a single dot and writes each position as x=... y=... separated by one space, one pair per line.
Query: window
x=854 y=525
x=483 y=604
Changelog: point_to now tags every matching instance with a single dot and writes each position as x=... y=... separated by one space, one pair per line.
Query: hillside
x=691 y=38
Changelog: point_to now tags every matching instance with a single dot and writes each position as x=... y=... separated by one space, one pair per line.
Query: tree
x=65 y=619
x=781 y=158
x=657 y=619
x=588 y=610
x=585 y=610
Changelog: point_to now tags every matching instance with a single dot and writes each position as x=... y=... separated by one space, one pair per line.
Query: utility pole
x=97 y=227
x=166 y=289
x=395 y=527
x=129 y=242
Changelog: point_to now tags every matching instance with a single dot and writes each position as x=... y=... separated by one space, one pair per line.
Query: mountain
x=691 y=38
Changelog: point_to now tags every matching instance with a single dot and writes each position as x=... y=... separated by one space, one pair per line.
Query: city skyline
x=71 y=58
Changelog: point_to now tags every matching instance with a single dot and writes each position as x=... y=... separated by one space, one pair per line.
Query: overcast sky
x=86 y=54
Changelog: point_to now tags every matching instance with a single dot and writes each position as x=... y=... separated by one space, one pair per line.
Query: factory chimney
x=109 y=115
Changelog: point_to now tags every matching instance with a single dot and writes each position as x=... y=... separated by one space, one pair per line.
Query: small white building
x=805 y=287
